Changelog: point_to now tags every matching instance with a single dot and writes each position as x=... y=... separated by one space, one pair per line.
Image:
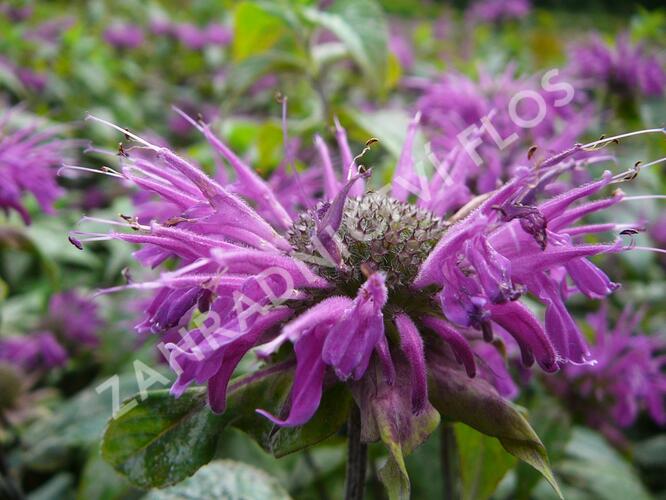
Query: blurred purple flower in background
x=124 y=36
x=30 y=79
x=657 y=231
x=624 y=68
x=71 y=325
x=218 y=34
x=161 y=26
x=192 y=36
x=475 y=128
x=38 y=351
x=494 y=11
x=401 y=47
x=627 y=377
x=16 y=14
x=74 y=319
x=28 y=157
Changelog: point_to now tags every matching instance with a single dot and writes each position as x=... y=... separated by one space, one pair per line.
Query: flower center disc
x=378 y=231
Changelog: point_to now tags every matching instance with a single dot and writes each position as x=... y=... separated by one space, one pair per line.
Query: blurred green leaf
x=101 y=482
x=225 y=479
x=270 y=145
x=79 y=422
x=246 y=72
x=4 y=291
x=593 y=469
x=256 y=29
x=593 y=465
x=389 y=126
x=362 y=27
x=483 y=463
x=651 y=452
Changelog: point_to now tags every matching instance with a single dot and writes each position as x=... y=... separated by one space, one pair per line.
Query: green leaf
x=476 y=403
x=424 y=468
x=269 y=145
x=553 y=425
x=389 y=126
x=225 y=479
x=256 y=30
x=246 y=72
x=20 y=239
x=330 y=417
x=361 y=26
x=162 y=440
x=483 y=463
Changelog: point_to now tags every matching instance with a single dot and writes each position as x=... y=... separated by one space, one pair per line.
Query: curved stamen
x=607 y=140
x=123 y=131
x=108 y=171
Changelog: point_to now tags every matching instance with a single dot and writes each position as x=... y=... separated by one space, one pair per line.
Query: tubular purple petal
x=455 y=340
x=412 y=346
x=521 y=324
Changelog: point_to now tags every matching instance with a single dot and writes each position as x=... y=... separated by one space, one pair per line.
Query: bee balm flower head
x=380 y=289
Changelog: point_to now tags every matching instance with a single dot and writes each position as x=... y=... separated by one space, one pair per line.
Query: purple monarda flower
x=38 y=351
x=28 y=156
x=657 y=231
x=495 y=11
x=74 y=319
x=191 y=36
x=628 y=375
x=218 y=34
x=391 y=296
x=31 y=80
x=400 y=45
x=624 y=69
x=70 y=325
x=124 y=36
x=482 y=130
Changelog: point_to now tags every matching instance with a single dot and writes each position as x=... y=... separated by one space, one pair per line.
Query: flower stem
x=449 y=450
x=357 y=457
